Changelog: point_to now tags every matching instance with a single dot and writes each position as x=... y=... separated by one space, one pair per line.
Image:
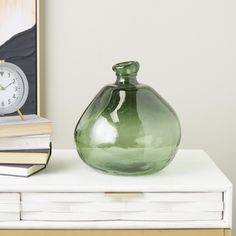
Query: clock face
x=13 y=88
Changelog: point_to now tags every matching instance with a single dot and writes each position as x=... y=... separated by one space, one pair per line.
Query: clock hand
x=8 y=85
x=1 y=87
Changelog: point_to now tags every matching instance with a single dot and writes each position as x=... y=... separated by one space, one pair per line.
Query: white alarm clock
x=14 y=88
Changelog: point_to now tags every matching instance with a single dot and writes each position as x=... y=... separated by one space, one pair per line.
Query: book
x=25 y=142
x=39 y=156
x=20 y=170
x=31 y=125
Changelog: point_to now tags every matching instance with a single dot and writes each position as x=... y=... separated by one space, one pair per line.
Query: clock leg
x=20 y=114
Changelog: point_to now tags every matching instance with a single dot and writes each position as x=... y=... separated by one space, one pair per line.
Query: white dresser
x=189 y=197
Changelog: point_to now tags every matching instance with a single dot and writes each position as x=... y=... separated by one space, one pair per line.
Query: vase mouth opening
x=126 y=68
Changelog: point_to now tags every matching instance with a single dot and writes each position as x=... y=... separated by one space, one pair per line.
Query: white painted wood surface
x=9 y=207
x=185 y=188
x=191 y=170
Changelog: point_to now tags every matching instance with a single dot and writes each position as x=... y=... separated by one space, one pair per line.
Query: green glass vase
x=128 y=128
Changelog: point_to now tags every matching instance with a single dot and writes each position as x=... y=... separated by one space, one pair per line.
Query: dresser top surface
x=191 y=170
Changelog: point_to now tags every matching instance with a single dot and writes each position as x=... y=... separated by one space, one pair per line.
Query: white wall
x=187 y=51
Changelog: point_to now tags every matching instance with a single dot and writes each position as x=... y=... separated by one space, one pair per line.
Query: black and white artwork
x=18 y=43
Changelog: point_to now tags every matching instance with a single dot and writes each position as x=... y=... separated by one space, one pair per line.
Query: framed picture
x=19 y=44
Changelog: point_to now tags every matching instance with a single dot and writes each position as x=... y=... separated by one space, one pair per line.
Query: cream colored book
x=31 y=125
x=25 y=157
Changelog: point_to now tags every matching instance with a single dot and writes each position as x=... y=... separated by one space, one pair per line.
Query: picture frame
x=20 y=44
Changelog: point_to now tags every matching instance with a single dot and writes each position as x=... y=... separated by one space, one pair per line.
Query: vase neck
x=126 y=73
x=126 y=80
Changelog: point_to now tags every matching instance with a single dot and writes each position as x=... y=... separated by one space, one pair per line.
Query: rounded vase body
x=128 y=129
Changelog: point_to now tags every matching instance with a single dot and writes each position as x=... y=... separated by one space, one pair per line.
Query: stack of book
x=25 y=146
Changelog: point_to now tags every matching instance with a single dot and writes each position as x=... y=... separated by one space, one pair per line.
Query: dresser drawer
x=122 y=206
x=9 y=206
